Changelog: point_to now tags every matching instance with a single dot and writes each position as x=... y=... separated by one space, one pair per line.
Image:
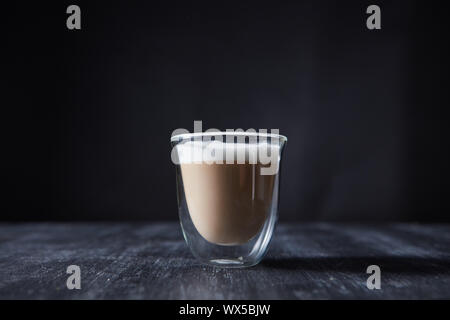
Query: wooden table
x=152 y=261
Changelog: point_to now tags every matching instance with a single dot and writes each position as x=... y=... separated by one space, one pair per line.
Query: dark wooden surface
x=152 y=261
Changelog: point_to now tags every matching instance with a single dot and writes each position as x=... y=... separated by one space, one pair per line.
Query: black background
x=87 y=115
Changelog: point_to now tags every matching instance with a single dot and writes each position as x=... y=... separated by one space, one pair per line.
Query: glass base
x=231 y=263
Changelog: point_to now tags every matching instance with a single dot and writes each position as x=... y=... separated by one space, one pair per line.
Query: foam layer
x=223 y=152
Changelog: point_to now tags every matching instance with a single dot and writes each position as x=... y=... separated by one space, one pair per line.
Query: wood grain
x=152 y=261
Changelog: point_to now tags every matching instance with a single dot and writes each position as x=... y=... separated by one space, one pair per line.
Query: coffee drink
x=228 y=202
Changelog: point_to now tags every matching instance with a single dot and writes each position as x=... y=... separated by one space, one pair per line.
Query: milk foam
x=224 y=152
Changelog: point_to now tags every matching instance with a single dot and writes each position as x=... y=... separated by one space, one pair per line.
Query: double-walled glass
x=228 y=194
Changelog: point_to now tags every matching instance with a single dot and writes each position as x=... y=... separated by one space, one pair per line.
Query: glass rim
x=226 y=133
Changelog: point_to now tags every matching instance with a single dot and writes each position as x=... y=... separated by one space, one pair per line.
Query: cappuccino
x=228 y=202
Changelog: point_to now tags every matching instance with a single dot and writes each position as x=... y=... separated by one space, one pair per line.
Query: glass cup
x=228 y=194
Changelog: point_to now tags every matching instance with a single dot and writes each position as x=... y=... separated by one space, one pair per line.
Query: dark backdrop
x=87 y=115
